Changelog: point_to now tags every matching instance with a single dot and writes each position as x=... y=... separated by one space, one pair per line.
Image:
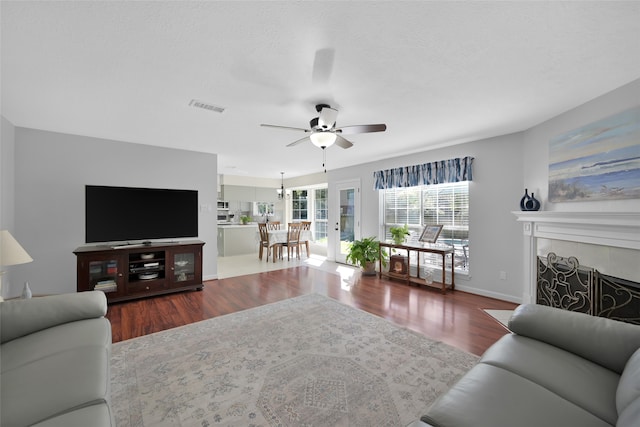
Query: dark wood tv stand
x=138 y=271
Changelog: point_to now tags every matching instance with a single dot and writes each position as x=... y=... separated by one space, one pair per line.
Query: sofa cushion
x=629 y=386
x=489 y=396
x=568 y=330
x=630 y=415
x=94 y=416
x=581 y=382
x=53 y=340
x=19 y=318
x=55 y=384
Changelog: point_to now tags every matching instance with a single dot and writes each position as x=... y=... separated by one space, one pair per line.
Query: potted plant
x=245 y=219
x=364 y=253
x=398 y=234
x=399 y=262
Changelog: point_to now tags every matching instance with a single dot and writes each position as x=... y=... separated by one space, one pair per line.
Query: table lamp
x=11 y=253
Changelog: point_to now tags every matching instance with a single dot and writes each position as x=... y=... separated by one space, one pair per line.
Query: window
x=299 y=205
x=443 y=204
x=321 y=215
x=311 y=204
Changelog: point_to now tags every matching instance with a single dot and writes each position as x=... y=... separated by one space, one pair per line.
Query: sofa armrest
x=607 y=342
x=25 y=316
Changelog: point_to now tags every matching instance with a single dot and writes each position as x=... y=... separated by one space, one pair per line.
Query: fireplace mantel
x=614 y=229
x=617 y=229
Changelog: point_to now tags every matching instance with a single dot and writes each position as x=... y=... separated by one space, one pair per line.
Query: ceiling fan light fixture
x=322 y=139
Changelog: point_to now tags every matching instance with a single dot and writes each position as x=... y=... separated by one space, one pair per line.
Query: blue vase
x=529 y=203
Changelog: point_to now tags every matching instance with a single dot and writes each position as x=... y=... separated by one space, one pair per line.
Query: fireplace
x=614 y=235
x=564 y=283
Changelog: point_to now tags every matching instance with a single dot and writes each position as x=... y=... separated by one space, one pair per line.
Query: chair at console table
x=440 y=250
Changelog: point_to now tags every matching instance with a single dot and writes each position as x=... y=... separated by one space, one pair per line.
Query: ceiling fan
x=323 y=132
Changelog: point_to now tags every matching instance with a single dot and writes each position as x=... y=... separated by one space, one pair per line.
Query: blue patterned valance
x=443 y=171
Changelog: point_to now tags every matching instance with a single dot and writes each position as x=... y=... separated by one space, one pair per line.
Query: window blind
x=442 y=204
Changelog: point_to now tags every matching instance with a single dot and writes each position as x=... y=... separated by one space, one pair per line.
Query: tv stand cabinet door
x=102 y=272
x=184 y=266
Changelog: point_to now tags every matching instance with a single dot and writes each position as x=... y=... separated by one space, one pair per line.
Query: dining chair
x=293 y=239
x=264 y=242
x=273 y=225
x=306 y=226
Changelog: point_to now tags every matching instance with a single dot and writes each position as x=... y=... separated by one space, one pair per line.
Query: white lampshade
x=11 y=253
x=323 y=139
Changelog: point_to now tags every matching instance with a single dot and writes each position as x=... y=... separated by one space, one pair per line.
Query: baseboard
x=490 y=294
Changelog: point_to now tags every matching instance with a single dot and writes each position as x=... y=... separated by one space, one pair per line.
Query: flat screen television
x=125 y=214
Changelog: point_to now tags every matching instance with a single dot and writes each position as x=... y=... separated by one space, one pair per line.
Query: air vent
x=206 y=106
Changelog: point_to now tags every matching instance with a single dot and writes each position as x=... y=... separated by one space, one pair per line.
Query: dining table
x=279 y=236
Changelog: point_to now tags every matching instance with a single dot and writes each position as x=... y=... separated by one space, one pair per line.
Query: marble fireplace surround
x=610 y=231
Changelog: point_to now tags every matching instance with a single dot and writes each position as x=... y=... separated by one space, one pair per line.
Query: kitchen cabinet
x=264 y=194
x=249 y=194
x=239 y=192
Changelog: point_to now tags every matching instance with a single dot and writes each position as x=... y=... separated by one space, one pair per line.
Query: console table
x=440 y=250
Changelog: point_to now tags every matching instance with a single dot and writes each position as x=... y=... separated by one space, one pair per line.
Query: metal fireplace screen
x=564 y=283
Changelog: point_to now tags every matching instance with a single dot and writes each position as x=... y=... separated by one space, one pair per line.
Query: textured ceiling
x=437 y=73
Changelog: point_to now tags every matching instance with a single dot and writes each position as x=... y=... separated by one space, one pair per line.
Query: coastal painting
x=598 y=161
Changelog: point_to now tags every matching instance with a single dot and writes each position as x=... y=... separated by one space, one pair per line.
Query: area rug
x=305 y=361
x=502 y=316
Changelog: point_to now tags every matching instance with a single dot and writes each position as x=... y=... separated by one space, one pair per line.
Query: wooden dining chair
x=273 y=225
x=306 y=226
x=264 y=242
x=293 y=239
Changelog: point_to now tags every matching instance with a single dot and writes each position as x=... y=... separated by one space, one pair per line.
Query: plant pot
x=369 y=268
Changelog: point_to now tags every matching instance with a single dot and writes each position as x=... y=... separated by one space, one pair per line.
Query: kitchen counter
x=238 y=225
x=237 y=239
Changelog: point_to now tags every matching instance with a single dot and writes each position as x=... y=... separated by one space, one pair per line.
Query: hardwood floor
x=455 y=318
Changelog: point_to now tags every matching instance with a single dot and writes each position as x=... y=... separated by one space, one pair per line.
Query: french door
x=347 y=226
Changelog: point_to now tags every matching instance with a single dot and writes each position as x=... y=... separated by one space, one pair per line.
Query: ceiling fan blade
x=323 y=65
x=341 y=142
x=284 y=127
x=327 y=118
x=301 y=140
x=348 y=130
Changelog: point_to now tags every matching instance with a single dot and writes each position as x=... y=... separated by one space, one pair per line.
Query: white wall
x=7 y=174
x=494 y=237
x=7 y=180
x=51 y=171
x=614 y=261
x=536 y=148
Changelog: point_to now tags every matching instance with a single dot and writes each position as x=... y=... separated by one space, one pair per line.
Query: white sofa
x=54 y=355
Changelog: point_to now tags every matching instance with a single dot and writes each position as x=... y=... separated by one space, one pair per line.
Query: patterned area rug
x=306 y=361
